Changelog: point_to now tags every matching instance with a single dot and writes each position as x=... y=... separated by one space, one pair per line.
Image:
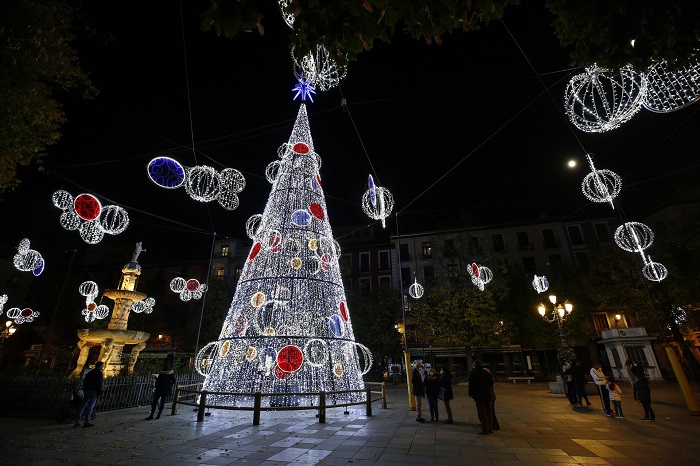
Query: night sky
x=463 y=132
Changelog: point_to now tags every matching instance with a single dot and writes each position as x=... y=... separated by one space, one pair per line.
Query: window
x=600 y=321
x=575 y=235
x=385 y=281
x=224 y=251
x=450 y=247
x=406 y=277
x=220 y=272
x=602 y=231
x=498 y=244
x=403 y=252
x=452 y=270
x=637 y=354
x=523 y=240
x=364 y=262
x=239 y=271
x=384 y=263
x=550 y=241
x=426 y=249
x=429 y=273
x=473 y=243
x=529 y=264
x=365 y=285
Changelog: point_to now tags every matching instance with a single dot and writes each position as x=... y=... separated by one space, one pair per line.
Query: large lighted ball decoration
x=600 y=100
x=633 y=236
x=87 y=206
x=382 y=206
x=62 y=199
x=415 y=290
x=290 y=358
x=166 y=172
x=114 y=219
x=20 y=316
x=91 y=232
x=205 y=357
x=28 y=260
x=364 y=353
x=272 y=170
x=540 y=284
x=601 y=186
x=654 y=271
x=253 y=226
x=88 y=289
x=202 y=183
x=316 y=352
x=89 y=217
x=145 y=306
x=668 y=91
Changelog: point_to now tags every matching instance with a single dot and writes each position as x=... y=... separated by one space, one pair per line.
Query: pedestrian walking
x=432 y=389
x=615 y=393
x=447 y=393
x=480 y=384
x=578 y=377
x=601 y=383
x=643 y=392
x=92 y=388
x=418 y=389
x=163 y=388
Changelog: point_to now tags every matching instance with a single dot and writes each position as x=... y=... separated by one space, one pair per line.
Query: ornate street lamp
x=559 y=314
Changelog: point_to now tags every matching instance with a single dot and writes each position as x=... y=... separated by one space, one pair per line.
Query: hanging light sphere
x=415 y=290
x=228 y=200
x=91 y=232
x=381 y=209
x=23 y=246
x=252 y=226
x=654 y=271
x=601 y=185
x=87 y=207
x=178 y=284
x=70 y=220
x=62 y=199
x=485 y=274
x=202 y=183
x=205 y=357
x=114 y=219
x=634 y=236
x=28 y=262
x=88 y=289
x=668 y=91
x=101 y=311
x=600 y=100
x=362 y=350
x=272 y=170
x=232 y=180
x=166 y=172
x=540 y=284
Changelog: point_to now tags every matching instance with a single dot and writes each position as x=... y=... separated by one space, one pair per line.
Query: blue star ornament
x=303 y=89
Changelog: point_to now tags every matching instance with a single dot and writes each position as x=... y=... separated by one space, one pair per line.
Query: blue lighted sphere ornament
x=301 y=218
x=336 y=325
x=166 y=172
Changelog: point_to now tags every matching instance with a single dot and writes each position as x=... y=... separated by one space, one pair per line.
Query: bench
x=515 y=379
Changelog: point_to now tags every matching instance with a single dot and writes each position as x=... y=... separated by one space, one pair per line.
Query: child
x=643 y=392
x=615 y=397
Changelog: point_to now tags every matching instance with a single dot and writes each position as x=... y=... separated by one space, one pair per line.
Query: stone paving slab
x=537 y=428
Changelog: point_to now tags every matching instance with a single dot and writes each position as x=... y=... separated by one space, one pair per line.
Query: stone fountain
x=115 y=336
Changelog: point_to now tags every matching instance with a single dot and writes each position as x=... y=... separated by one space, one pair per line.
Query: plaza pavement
x=537 y=428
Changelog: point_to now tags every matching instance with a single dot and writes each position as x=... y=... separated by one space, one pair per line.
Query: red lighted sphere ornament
x=300 y=148
x=255 y=251
x=290 y=358
x=192 y=285
x=26 y=312
x=87 y=207
x=317 y=211
x=344 y=311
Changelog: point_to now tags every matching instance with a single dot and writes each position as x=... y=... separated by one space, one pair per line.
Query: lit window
x=224 y=251
x=220 y=272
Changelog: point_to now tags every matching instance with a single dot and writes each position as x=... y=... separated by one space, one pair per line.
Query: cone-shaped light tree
x=288 y=329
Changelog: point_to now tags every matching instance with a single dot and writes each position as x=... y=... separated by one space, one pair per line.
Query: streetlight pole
x=406 y=351
x=559 y=314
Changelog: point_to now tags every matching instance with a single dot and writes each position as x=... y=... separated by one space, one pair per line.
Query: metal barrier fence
x=50 y=396
x=196 y=397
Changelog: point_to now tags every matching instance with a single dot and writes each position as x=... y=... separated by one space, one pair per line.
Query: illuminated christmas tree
x=288 y=328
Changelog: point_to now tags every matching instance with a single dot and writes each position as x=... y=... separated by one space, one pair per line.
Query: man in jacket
x=92 y=387
x=601 y=383
x=418 y=389
x=480 y=387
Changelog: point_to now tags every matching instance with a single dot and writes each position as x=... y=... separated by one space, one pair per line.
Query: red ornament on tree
x=290 y=358
x=317 y=211
x=300 y=148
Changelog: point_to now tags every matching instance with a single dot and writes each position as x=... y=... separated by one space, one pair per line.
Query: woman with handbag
x=445 y=394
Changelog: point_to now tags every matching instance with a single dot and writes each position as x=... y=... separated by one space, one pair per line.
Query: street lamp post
x=559 y=314
x=7 y=332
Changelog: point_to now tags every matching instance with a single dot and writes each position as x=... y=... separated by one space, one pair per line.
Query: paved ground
x=537 y=428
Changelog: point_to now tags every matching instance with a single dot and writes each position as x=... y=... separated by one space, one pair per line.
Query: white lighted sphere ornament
x=540 y=284
x=188 y=289
x=28 y=260
x=20 y=316
x=600 y=100
x=3 y=300
x=654 y=271
x=145 y=306
x=668 y=91
x=416 y=290
x=377 y=202
x=634 y=236
x=601 y=185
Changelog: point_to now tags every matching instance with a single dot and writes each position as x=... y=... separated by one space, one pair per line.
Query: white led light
x=601 y=185
x=27 y=260
x=634 y=236
x=377 y=203
x=416 y=290
x=654 y=271
x=668 y=91
x=92 y=220
x=202 y=183
x=540 y=284
x=319 y=69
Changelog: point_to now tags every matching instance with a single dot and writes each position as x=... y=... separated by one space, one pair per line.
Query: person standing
x=568 y=383
x=616 y=397
x=92 y=388
x=578 y=377
x=643 y=392
x=480 y=384
x=163 y=387
x=601 y=383
x=432 y=388
x=448 y=394
x=418 y=389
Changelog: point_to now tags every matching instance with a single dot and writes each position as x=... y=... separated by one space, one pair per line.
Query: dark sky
x=459 y=131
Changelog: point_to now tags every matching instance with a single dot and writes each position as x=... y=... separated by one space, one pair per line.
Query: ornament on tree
x=202 y=183
x=86 y=214
x=303 y=89
x=540 y=284
x=416 y=290
x=20 y=316
x=377 y=202
x=27 y=260
x=288 y=329
x=668 y=91
x=188 y=289
x=601 y=185
x=600 y=100
x=318 y=69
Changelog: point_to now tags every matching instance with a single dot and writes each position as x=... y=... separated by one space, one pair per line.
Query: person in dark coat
x=418 y=389
x=448 y=394
x=92 y=388
x=163 y=387
x=480 y=384
x=578 y=377
x=432 y=389
x=643 y=392
x=494 y=420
